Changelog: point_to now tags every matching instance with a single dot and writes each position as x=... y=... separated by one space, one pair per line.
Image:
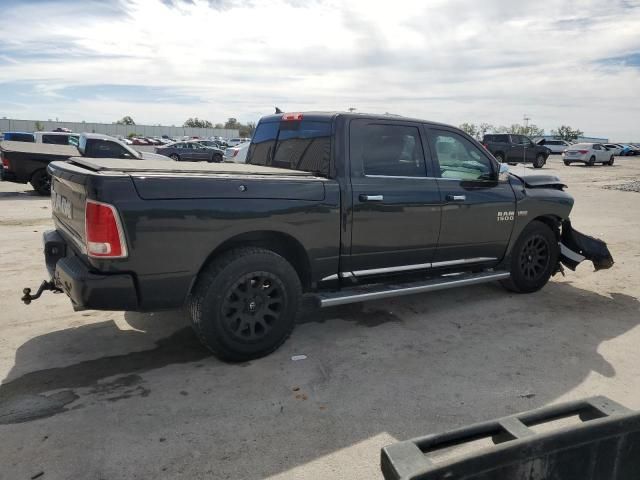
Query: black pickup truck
x=24 y=162
x=512 y=148
x=341 y=206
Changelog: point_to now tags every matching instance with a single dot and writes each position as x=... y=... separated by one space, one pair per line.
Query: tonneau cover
x=164 y=167
x=39 y=148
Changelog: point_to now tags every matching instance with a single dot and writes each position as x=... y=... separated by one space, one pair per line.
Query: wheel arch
x=281 y=243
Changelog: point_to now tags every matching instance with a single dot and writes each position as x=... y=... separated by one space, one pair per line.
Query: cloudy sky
x=454 y=61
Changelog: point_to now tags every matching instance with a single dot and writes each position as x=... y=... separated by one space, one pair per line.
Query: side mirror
x=503 y=171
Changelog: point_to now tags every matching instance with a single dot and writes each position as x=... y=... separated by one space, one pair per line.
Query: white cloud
x=444 y=60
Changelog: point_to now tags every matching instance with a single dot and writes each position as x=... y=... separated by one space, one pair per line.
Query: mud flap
x=576 y=247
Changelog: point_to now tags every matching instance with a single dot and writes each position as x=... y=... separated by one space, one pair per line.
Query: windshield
x=298 y=145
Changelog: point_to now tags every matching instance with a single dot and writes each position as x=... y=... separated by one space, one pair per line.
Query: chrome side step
x=376 y=292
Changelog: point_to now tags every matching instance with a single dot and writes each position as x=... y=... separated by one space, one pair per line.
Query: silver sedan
x=587 y=153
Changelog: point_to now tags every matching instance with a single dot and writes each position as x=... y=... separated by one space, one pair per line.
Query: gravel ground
x=113 y=395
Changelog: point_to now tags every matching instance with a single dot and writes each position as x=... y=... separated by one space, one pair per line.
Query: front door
x=396 y=203
x=478 y=208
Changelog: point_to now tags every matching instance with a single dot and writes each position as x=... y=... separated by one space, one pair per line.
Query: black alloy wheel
x=534 y=258
x=253 y=305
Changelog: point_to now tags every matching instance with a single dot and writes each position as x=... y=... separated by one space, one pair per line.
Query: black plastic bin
x=604 y=445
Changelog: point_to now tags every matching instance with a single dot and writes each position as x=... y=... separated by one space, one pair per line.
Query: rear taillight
x=485 y=146
x=104 y=235
x=5 y=162
x=235 y=152
x=583 y=152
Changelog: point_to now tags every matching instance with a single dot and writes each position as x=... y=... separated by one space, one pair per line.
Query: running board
x=376 y=292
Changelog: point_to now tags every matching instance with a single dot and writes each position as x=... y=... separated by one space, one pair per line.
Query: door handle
x=456 y=198
x=371 y=198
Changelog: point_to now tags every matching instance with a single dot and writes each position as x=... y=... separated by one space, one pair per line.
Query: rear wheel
x=41 y=182
x=592 y=161
x=174 y=156
x=500 y=157
x=567 y=163
x=244 y=304
x=539 y=161
x=217 y=158
x=533 y=258
x=610 y=162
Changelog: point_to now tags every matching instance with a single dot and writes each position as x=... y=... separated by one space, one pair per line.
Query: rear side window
x=298 y=145
x=56 y=139
x=19 y=137
x=386 y=150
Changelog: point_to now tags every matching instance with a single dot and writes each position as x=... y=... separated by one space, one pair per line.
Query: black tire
x=244 y=304
x=217 y=158
x=174 y=156
x=539 y=161
x=500 y=157
x=567 y=163
x=592 y=161
x=610 y=162
x=533 y=259
x=41 y=182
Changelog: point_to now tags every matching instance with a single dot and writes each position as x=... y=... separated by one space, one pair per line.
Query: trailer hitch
x=45 y=285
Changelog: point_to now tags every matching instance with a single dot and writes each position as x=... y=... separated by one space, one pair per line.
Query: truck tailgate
x=68 y=196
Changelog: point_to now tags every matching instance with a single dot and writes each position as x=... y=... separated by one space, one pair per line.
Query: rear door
x=602 y=154
x=396 y=202
x=478 y=209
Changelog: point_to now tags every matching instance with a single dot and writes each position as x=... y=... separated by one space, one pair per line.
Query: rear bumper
x=86 y=288
x=9 y=176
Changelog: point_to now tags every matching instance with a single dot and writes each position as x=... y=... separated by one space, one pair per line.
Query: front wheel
x=499 y=157
x=533 y=258
x=567 y=163
x=174 y=156
x=610 y=162
x=592 y=161
x=41 y=182
x=244 y=304
x=539 y=161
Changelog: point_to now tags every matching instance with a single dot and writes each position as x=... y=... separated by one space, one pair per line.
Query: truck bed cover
x=163 y=167
x=39 y=148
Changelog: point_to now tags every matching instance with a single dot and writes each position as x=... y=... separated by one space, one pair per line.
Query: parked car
x=588 y=153
x=554 y=146
x=614 y=148
x=19 y=137
x=237 y=154
x=373 y=219
x=191 y=151
x=24 y=162
x=512 y=148
x=627 y=150
x=56 y=138
x=232 y=142
x=139 y=141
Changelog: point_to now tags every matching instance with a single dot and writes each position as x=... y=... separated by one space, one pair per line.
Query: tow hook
x=45 y=285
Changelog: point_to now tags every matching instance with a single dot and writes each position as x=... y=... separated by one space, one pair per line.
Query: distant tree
x=483 y=128
x=39 y=126
x=195 y=122
x=517 y=129
x=247 y=130
x=219 y=126
x=126 y=120
x=469 y=129
x=565 y=132
x=232 y=123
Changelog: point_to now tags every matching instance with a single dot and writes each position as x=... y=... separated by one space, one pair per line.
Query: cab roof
x=330 y=115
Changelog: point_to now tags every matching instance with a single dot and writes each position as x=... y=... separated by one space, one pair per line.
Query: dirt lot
x=101 y=395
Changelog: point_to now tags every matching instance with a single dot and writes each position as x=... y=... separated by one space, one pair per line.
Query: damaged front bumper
x=575 y=247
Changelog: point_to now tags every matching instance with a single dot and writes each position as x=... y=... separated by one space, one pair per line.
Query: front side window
x=102 y=149
x=386 y=150
x=459 y=158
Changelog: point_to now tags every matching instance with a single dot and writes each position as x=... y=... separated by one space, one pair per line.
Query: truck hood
x=541 y=181
x=153 y=156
